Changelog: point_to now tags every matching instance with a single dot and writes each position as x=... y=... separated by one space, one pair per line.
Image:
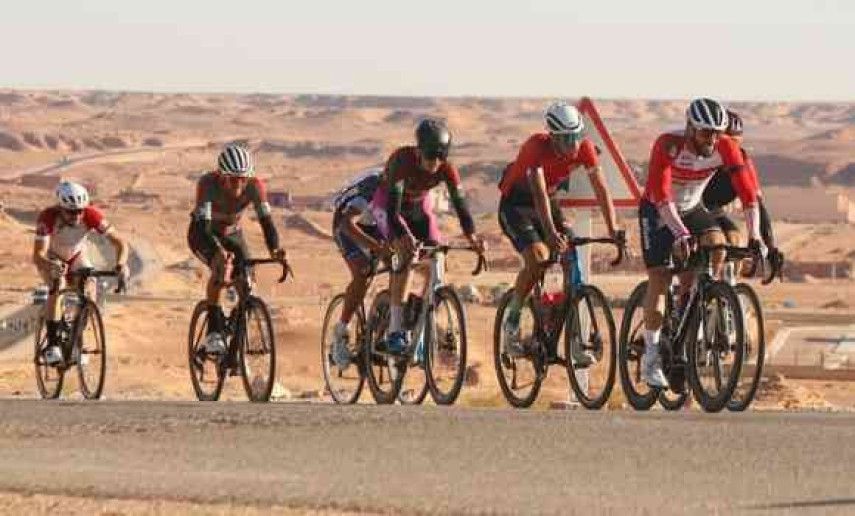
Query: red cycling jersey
x=66 y=241
x=538 y=152
x=678 y=175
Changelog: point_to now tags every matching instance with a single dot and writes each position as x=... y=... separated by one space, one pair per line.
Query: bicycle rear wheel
x=446 y=353
x=344 y=384
x=755 y=349
x=90 y=351
x=671 y=400
x=383 y=385
x=715 y=340
x=630 y=349
x=519 y=377
x=206 y=371
x=257 y=357
x=48 y=378
x=590 y=326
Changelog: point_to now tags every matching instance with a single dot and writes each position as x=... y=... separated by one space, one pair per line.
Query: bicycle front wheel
x=206 y=371
x=715 y=340
x=379 y=369
x=257 y=357
x=590 y=332
x=48 y=378
x=755 y=349
x=90 y=351
x=630 y=350
x=445 y=334
x=343 y=382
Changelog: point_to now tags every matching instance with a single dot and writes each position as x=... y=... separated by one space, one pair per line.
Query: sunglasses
x=566 y=138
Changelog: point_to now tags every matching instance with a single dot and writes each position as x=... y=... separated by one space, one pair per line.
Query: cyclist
x=529 y=214
x=403 y=214
x=671 y=214
x=59 y=249
x=360 y=242
x=720 y=192
x=215 y=234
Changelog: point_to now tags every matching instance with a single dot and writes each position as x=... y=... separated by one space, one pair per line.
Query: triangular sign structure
x=619 y=177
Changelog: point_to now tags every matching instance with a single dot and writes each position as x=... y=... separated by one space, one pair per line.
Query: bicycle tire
x=755 y=344
x=672 y=401
x=501 y=359
x=383 y=387
x=257 y=391
x=630 y=349
x=49 y=388
x=726 y=295
x=342 y=395
x=439 y=343
x=90 y=310
x=591 y=298
x=197 y=359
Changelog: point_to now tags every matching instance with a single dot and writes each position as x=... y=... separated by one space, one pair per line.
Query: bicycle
x=345 y=384
x=755 y=329
x=435 y=359
x=706 y=337
x=582 y=311
x=79 y=348
x=254 y=359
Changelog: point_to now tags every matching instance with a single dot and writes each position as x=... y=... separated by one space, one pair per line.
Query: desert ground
x=142 y=153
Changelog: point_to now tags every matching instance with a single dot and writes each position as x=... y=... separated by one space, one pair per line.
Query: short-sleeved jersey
x=403 y=165
x=678 y=175
x=67 y=241
x=215 y=203
x=357 y=195
x=720 y=191
x=538 y=152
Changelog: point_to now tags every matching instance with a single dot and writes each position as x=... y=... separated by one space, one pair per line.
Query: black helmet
x=734 y=123
x=433 y=138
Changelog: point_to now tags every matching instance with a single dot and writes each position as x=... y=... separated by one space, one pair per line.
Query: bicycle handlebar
x=619 y=241
x=286 y=268
x=91 y=272
x=775 y=260
x=431 y=250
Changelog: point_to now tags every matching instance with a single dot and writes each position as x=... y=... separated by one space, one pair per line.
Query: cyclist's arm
x=41 y=244
x=604 y=197
x=262 y=211
x=464 y=216
x=119 y=244
x=743 y=184
x=203 y=223
x=396 y=197
x=537 y=184
x=351 y=228
x=659 y=191
x=766 y=224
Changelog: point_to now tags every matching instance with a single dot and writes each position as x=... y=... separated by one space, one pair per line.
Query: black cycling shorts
x=656 y=237
x=204 y=251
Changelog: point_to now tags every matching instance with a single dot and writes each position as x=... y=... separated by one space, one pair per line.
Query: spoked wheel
x=344 y=383
x=630 y=349
x=446 y=356
x=413 y=375
x=48 y=378
x=591 y=331
x=205 y=369
x=755 y=349
x=383 y=386
x=257 y=357
x=90 y=351
x=715 y=340
x=519 y=377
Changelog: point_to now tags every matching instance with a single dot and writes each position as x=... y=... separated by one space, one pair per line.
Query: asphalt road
x=428 y=459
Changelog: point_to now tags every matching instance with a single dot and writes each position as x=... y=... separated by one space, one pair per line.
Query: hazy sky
x=744 y=50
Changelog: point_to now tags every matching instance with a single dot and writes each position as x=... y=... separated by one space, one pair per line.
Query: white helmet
x=562 y=118
x=235 y=161
x=704 y=113
x=72 y=196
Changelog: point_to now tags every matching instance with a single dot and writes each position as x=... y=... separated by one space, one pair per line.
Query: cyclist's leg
x=731 y=234
x=704 y=226
x=522 y=227
x=358 y=262
x=214 y=287
x=656 y=243
x=52 y=314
